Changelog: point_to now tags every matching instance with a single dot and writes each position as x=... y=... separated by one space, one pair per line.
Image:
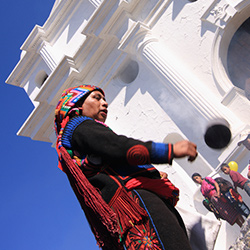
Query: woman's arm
x=93 y=137
x=217 y=189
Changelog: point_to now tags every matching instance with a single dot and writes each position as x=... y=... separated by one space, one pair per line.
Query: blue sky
x=38 y=208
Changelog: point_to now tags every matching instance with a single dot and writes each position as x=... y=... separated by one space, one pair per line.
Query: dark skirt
x=226 y=209
x=164 y=229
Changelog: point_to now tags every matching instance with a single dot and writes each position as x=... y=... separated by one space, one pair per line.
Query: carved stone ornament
x=219 y=13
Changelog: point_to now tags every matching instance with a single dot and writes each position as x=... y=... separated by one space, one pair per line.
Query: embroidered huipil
x=115 y=163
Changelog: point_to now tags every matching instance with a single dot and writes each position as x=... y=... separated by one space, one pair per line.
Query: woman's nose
x=105 y=104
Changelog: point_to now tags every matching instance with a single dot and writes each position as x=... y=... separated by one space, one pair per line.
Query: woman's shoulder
x=209 y=179
x=70 y=127
x=74 y=122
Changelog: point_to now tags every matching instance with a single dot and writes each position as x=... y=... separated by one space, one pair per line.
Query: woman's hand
x=163 y=175
x=185 y=148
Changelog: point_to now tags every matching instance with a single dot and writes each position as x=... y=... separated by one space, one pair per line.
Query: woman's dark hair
x=195 y=174
x=81 y=101
x=221 y=180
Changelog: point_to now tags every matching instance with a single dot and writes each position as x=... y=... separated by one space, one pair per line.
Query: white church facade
x=171 y=69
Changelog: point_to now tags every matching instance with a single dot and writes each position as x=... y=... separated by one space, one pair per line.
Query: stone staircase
x=243 y=241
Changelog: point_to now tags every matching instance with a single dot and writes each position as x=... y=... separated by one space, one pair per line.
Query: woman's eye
x=97 y=97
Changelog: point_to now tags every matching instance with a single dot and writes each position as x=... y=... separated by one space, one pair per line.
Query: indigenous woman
x=210 y=190
x=126 y=201
x=232 y=196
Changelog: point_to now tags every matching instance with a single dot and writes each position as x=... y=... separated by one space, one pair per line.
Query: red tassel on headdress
x=102 y=219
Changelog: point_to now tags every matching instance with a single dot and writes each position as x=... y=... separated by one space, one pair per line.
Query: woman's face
x=95 y=106
x=223 y=187
x=197 y=179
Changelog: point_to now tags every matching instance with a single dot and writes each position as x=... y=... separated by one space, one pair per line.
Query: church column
x=174 y=75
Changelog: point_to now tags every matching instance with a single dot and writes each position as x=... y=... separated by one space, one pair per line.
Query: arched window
x=130 y=72
x=238 y=60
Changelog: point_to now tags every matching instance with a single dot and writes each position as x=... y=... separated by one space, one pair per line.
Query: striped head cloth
x=67 y=103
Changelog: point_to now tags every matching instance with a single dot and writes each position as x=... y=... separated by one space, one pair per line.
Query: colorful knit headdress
x=68 y=102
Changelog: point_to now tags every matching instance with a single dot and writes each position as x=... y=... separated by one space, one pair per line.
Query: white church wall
x=68 y=36
x=37 y=76
x=182 y=31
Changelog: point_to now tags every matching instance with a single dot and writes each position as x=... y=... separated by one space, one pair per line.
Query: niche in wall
x=40 y=78
x=129 y=72
x=238 y=59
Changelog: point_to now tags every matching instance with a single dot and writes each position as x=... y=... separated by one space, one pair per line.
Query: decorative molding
x=219 y=13
x=99 y=18
x=40 y=120
x=136 y=38
x=140 y=42
x=34 y=39
x=241 y=5
x=232 y=94
x=22 y=69
x=60 y=77
x=156 y=56
x=46 y=55
x=96 y=3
